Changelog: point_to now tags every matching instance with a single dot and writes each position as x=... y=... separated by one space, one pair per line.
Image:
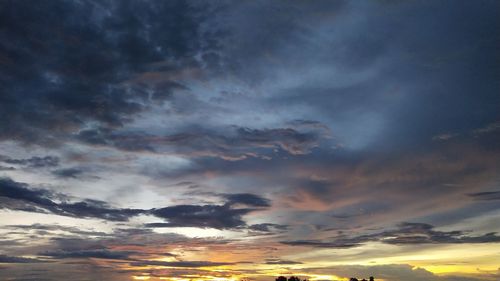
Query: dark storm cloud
x=33 y=162
x=67 y=63
x=11 y=259
x=406 y=234
x=485 y=196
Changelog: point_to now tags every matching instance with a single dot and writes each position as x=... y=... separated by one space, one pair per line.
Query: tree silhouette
x=356 y=279
x=295 y=278
x=292 y=278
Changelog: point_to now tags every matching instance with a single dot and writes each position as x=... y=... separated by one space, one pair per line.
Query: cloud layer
x=248 y=139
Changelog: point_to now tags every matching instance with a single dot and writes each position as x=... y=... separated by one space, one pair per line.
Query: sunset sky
x=243 y=140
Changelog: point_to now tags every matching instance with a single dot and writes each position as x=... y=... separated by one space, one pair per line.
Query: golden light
x=324 y=277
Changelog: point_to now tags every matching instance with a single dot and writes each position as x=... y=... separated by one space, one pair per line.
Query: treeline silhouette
x=295 y=278
x=356 y=279
x=291 y=278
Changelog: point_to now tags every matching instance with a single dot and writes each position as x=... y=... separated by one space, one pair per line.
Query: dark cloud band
x=205 y=216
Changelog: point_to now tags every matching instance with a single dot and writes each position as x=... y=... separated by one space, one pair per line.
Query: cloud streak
x=405 y=234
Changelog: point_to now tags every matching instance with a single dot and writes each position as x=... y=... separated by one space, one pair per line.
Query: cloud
x=3 y=168
x=33 y=162
x=492 y=127
x=229 y=143
x=247 y=199
x=405 y=234
x=287 y=139
x=225 y=216
x=228 y=215
x=43 y=229
x=68 y=173
x=193 y=264
x=20 y=191
x=230 y=199
x=42 y=200
x=99 y=254
x=321 y=244
x=98 y=51
x=11 y=259
x=247 y=98
x=268 y=227
x=444 y=137
x=283 y=262
x=134 y=242
x=389 y=272
x=211 y=216
x=421 y=233
x=485 y=196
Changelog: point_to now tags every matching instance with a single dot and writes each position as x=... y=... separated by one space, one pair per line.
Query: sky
x=243 y=140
